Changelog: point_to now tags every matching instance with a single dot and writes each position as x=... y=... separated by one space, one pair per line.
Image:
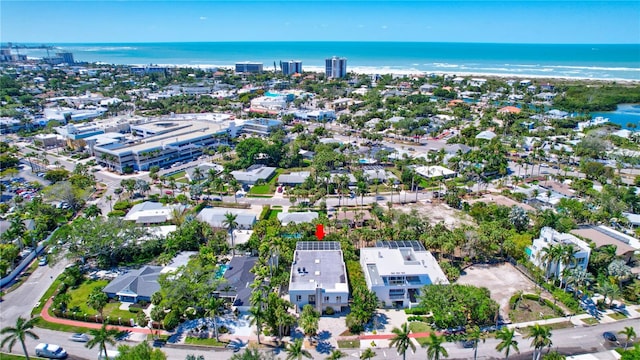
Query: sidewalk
x=45 y=315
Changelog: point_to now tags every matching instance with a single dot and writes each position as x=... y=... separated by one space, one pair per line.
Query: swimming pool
x=221 y=270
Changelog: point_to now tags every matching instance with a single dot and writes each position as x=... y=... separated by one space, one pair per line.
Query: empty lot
x=503 y=280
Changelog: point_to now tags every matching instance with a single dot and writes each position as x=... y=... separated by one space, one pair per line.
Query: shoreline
x=373 y=70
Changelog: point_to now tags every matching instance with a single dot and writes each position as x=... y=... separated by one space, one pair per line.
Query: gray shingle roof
x=141 y=282
x=238 y=278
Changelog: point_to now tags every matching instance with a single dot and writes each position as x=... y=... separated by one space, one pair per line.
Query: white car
x=78 y=337
x=50 y=351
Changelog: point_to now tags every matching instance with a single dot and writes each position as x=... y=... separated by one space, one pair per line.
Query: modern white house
x=397 y=270
x=549 y=237
x=319 y=276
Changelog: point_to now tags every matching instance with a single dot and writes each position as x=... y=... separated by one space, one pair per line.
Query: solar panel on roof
x=317 y=245
x=414 y=244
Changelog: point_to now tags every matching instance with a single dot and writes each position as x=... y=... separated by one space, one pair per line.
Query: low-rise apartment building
x=550 y=237
x=319 y=276
x=396 y=271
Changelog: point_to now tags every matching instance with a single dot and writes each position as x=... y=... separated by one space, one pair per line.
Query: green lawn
x=205 y=342
x=80 y=295
x=178 y=175
x=36 y=310
x=41 y=323
x=348 y=344
x=260 y=189
x=419 y=327
x=79 y=299
x=273 y=214
x=617 y=316
x=590 y=321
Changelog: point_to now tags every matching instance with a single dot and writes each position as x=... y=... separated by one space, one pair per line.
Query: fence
x=26 y=261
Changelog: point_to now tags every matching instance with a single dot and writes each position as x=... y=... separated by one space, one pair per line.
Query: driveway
x=503 y=280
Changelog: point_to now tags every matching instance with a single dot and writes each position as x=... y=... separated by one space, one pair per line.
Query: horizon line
x=306 y=41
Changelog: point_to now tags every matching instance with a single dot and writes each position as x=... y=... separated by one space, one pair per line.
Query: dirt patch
x=503 y=280
x=438 y=213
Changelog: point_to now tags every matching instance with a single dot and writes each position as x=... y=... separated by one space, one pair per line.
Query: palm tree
x=474 y=334
x=335 y=355
x=257 y=318
x=102 y=337
x=367 y=354
x=92 y=211
x=434 y=347
x=231 y=224
x=19 y=333
x=629 y=333
x=540 y=336
x=579 y=277
x=550 y=255
x=507 y=342
x=296 y=352
x=401 y=340
x=215 y=305
x=109 y=198
x=197 y=174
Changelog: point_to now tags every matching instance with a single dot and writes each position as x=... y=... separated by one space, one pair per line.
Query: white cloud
x=203 y=18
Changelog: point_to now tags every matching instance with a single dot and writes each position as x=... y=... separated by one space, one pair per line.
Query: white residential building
x=319 y=276
x=397 y=270
x=548 y=237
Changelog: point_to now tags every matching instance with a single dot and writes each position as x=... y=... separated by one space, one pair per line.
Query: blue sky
x=436 y=21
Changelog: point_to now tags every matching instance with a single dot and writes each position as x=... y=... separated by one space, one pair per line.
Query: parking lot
x=503 y=280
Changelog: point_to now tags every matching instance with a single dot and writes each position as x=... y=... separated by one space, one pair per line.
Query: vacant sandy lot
x=438 y=213
x=503 y=280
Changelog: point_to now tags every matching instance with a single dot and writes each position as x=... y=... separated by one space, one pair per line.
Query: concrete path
x=52 y=319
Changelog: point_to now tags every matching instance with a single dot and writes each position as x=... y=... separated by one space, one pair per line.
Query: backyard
x=78 y=303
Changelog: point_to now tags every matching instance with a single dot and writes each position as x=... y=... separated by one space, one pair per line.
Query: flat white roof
x=403 y=262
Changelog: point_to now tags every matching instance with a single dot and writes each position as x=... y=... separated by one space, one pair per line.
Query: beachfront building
x=262 y=127
x=397 y=270
x=291 y=67
x=248 y=67
x=319 y=276
x=146 y=70
x=550 y=237
x=335 y=67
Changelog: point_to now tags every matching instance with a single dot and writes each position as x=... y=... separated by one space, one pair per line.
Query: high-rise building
x=67 y=57
x=336 y=67
x=291 y=67
x=248 y=67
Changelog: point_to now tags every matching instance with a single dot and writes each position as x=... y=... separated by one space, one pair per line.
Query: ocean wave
x=599 y=68
x=444 y=65
x=106 y=48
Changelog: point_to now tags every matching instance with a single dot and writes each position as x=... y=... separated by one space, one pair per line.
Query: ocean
x=610 y=62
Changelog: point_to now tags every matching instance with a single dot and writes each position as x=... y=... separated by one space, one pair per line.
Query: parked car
x=50 y=351
x=609 y=336
x=78 y=337
x=43 y=262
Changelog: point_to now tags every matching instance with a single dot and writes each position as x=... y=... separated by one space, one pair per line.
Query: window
x=338 y=299
x=326 y=299
x=298 y=298
x=312 y=298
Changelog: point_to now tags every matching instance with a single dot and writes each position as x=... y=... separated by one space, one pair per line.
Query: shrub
x=116 y=213
x=452 y=272
x=171 y=321
x=223 y=329
x=329 y=311
x=417 y=318
x=121 y=205
x=416 y=311
x=134 y=309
